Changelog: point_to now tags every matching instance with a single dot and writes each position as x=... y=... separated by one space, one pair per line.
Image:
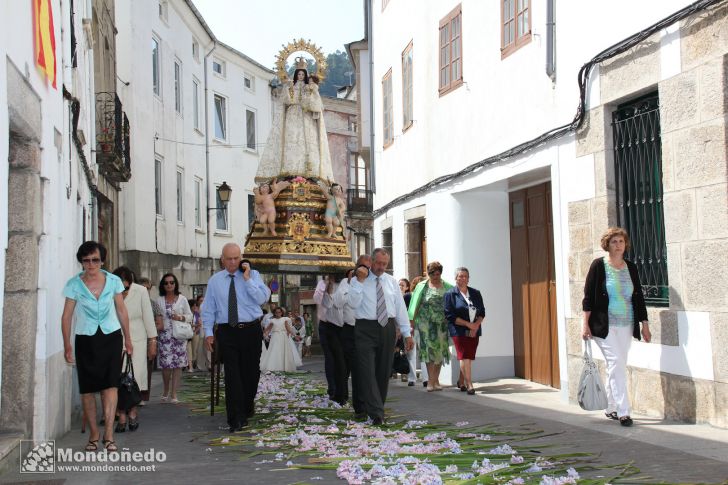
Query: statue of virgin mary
x=297 y=143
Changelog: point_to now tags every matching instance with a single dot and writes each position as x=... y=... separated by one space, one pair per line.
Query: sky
x=258 y=28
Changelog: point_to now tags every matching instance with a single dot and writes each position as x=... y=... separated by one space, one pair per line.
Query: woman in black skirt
x=94 y=298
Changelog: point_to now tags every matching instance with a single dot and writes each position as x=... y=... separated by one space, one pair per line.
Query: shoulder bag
x=591 y=393
x=128 y=393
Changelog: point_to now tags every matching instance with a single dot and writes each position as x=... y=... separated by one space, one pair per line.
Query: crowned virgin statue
x=297 y=143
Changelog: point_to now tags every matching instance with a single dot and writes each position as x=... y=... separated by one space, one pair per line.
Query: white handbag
x=591 y=393
x=181 y=330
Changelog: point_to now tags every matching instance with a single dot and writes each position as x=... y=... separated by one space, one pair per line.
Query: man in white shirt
x=378 y=307
x=323 y=296
x=348 y=341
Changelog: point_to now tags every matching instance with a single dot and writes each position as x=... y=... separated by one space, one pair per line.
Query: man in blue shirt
x=378 y=306
x=233 y=302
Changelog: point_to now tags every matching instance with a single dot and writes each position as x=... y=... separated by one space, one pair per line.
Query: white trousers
x=615 y=349
x=412 y=358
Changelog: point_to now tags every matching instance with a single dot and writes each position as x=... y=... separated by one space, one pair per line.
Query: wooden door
x=533 y=285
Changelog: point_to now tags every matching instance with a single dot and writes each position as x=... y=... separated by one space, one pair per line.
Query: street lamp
x=223 y=192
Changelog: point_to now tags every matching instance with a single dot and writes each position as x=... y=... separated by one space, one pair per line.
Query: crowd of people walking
x=366 y=318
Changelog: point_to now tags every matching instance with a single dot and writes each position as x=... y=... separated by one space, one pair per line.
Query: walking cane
x=212 y=379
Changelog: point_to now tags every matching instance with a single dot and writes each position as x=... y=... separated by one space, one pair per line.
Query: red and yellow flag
x=45 y=39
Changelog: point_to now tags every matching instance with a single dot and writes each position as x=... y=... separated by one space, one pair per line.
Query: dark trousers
x=348 y=342
x=325 y=337
x=341 y=368
x=374 y=354
x=241 y=349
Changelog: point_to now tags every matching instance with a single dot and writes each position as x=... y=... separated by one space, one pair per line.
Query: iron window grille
x=638 y=172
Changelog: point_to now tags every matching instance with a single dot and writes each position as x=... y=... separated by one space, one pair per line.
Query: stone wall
x=693 y=107
x=20 y=313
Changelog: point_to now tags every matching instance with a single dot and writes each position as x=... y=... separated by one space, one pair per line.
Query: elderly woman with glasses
x=94 y=298
x=143 y=337
x=465 y=314
x=427 y=310
x=172 y=352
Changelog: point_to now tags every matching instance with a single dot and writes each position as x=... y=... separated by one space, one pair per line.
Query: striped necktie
x=232 y=302
x=381 y=305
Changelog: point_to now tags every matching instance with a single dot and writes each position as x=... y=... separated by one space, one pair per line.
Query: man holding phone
x=233 y=301
x=378 y=307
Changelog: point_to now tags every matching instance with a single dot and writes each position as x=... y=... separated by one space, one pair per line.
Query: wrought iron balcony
x=112 y=138
x=360 y=200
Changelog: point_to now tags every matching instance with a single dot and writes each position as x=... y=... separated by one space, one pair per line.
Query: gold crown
x=301 y=63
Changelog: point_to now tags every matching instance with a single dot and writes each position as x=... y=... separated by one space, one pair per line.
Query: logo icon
x=37 y=457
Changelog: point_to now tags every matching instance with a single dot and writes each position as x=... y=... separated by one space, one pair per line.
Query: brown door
x=533 y=286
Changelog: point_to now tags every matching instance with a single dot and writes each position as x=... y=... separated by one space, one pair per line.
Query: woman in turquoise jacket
x=427 y=311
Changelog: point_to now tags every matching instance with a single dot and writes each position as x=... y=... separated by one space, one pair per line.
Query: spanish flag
x=45 y=39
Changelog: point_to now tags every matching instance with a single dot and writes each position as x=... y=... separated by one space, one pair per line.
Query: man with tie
x=378 y=307
x=232 y=301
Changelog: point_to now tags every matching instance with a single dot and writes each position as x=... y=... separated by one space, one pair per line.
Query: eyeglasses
x=171 y=282
x=91 y=260
x=433 y=273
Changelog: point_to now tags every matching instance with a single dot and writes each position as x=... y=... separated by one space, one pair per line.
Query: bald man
x=232 y=301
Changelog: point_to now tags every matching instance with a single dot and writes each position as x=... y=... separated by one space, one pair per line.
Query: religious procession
x=403 y=262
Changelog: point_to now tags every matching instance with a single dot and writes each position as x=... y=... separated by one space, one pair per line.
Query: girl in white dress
x=281 y=354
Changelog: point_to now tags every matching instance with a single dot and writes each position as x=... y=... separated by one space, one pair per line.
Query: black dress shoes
x=237 y=427
x=377 y=421
x=362 y=416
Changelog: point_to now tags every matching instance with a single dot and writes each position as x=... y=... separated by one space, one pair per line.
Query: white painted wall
x=3 y=167
x=503 y=102
x=177 y=142
x=64 y=190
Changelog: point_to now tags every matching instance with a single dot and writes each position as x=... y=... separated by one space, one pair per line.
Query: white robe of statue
x=297 y=143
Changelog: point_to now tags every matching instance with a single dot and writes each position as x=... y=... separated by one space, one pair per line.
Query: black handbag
x=128 y=392
x=400 y=364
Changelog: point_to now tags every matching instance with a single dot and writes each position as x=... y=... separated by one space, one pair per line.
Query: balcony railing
x=360 y=200
x=113 y=153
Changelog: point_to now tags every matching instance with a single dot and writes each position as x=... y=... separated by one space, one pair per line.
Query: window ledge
x=408 y=126
x=452 y=87
x=199 y=230
x=199 y=132
x=222 y=234
x=220 y=142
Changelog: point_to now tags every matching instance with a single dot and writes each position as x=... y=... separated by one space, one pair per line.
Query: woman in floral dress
x=172 y=352
x=427 y=310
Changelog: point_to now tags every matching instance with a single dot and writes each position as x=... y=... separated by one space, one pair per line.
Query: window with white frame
x=220 y=116
x=407 y=87
x=156 y=81
x=250 y=129
x=222 y=213
x=195 y=50
x=178 y=86
x=163 y=10
x=249 y=82
x=180 y=195
x=218 y=67
x=198 y=203
x=158 y=186
x=387 y=128
x=196 y=104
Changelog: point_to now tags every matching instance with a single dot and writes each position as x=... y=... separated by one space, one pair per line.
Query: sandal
x=625 y=421
x=471 y=391
x=110 y=445
x=163 y=398
x=120 y=427
x=133 y=424
x=92 y=445
x=612 y=415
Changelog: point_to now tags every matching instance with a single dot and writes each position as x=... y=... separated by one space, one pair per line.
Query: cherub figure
x=265 y=209
x=335 y=208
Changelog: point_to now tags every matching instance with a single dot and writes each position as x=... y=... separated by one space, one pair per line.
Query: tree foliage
x=339 y=72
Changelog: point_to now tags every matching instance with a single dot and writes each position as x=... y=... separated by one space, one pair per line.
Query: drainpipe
x=550 y=35
x=372 y=151
x=207 y=151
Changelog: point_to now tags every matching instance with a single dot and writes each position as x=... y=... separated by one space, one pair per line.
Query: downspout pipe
x=207 y=151
x=550 y=38
x=372 y=150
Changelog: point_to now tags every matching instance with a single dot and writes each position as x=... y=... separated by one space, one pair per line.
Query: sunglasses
x=433 y=273
x=169 y=282
x=91 y=260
